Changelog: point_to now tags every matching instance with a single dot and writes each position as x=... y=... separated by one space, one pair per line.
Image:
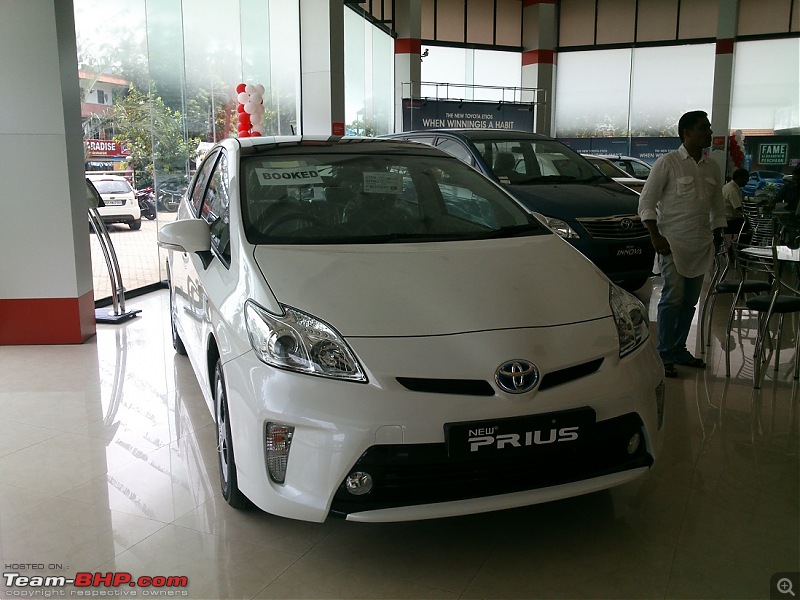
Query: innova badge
x=517 y=376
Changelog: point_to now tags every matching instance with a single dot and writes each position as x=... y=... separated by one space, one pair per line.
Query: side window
x=640 y=171
x=201 y=179
x=625 y=166
x=216 y=208
x=456 y=150
x=422 y=139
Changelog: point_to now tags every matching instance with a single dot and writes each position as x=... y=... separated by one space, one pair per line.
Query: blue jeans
x=676 y=309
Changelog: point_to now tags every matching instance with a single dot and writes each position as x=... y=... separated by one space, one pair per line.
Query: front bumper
x=424 y=474
x=398 y=434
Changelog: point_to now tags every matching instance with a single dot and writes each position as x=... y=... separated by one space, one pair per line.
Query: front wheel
x=227 y=462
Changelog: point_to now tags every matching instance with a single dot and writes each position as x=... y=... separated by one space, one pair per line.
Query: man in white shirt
x=732 y=195
x=681 y=205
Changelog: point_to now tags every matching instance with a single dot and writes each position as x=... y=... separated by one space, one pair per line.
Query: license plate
x=519 y=435
x=114 y=202
x=629 y=251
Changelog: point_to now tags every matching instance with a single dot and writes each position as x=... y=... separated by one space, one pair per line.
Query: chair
x=760 y=228
x=782 y=300
x=746 y=283
x=504 y=164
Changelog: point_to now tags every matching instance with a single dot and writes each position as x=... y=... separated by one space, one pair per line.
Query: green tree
x=154 y=135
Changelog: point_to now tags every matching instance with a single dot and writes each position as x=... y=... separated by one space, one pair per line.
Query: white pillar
x=407 y=61
x=539 y=27
x=723 y=81
x=46 y=294
x=322 y=67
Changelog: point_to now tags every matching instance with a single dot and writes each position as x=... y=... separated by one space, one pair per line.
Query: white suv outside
x=119 y=198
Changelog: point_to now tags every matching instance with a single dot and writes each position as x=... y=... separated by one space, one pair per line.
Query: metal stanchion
x=117 y=312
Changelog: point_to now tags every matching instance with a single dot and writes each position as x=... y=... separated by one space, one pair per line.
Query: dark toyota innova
x=591 y=211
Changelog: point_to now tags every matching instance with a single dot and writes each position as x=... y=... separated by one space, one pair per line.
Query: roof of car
x=337 y=144
x=618 y=157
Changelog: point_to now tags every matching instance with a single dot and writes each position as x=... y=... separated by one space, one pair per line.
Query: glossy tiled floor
x=108 y=464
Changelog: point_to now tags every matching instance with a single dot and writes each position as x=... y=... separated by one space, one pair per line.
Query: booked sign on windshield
x=288 y=176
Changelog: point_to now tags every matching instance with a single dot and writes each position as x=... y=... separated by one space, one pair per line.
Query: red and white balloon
x=250 y=109
x=735 y=148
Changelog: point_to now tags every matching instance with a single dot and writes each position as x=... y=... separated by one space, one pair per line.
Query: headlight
x=630 y=316
x=559 y=226
x=299 y=342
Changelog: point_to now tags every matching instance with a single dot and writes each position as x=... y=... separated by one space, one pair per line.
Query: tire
x=177 y=342
x=225 y=456
x=135 y=225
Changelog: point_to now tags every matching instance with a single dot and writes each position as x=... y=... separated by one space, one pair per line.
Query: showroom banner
x=435 y=114
x=646 y=148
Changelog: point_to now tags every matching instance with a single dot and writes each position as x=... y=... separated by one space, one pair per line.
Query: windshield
x=373 y=198
x=530 y=161
x=606 y=168
x=111 y=186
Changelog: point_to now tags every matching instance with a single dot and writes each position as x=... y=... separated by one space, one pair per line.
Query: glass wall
x=469 y=67
x=369 y=77
x=592 y=93
x=667 y=82
x=172 y=67
x=766 y=85
x=631 y=92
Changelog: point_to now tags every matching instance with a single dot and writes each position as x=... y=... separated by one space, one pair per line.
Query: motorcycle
x=170 y=193
x=146 y=203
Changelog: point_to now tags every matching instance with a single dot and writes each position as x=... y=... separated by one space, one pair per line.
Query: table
x=784 y=252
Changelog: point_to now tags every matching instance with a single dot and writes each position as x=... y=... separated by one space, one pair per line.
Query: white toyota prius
x=383 y=334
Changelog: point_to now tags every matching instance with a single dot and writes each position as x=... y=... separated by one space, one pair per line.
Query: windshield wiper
x=548 y=179
x=514 y=231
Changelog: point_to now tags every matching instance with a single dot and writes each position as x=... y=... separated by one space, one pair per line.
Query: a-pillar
x=539 y=27
x=46 y=292
x=723 y=81
x=322 y=67
x=407 y=61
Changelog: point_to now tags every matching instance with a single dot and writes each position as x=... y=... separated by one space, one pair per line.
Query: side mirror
x=188 y=235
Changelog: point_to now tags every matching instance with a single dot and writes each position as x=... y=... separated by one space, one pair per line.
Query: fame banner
x=438 y=114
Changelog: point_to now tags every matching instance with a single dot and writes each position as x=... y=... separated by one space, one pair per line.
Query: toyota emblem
x=517 y=376
x=626 y=223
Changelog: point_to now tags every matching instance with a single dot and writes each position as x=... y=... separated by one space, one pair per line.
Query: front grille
x=562 y=376
x=410 y=474
x=615 y=228
x=464 y=387
x=480 y=387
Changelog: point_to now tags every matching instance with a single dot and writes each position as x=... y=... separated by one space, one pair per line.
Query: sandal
x=697 y=363
x=670 y=370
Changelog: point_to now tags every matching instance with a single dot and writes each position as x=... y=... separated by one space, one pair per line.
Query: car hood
x=443 y=288
x=572 y=200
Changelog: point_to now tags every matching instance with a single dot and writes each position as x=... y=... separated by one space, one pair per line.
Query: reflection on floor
x=108 y=462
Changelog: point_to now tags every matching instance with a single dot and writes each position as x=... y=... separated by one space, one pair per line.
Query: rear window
x=373 y=198
x=526 y=161
x=112 y=186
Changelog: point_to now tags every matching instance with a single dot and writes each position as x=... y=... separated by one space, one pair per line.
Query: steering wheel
x=289 y=217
